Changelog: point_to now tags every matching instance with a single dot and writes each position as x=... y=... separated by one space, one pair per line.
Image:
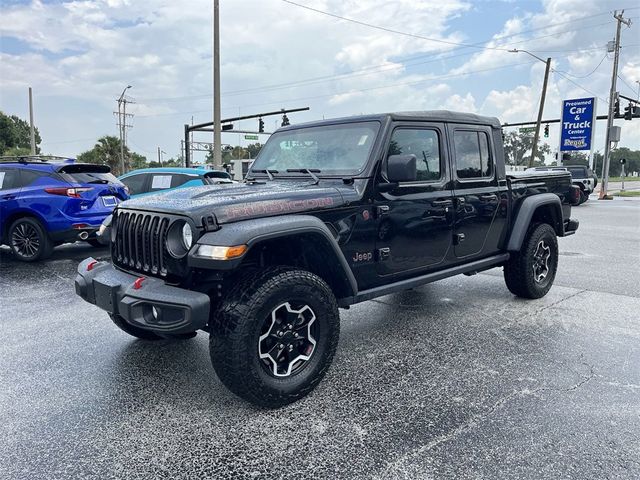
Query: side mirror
x=402 y=168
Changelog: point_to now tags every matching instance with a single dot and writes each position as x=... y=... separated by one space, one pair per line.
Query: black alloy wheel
x=28 y=240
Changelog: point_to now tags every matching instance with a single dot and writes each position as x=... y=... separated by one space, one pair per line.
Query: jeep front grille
x=139 y=242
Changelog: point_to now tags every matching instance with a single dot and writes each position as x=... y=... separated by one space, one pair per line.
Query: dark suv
x=332 y=213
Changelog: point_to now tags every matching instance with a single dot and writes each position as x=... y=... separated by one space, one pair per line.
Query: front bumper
x=150 y=303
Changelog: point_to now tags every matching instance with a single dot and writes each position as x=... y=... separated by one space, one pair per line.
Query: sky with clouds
x=79 y=55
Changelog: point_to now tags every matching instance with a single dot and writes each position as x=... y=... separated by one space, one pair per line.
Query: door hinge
x=383 y=253
x=382 y=210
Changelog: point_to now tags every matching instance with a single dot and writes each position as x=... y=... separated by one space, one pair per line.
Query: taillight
x=68 y=192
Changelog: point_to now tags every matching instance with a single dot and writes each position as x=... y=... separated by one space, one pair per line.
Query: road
x=455 y=380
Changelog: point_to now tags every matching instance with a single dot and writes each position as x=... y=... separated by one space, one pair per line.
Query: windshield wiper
x=268 y=171
x=310 y=171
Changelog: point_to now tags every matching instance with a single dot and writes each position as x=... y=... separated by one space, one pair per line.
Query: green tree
x=15 y=136
x=615 y=167
x=253 y=149
x=517 y=149
x=106 y=151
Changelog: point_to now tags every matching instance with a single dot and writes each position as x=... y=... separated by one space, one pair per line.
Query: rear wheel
x=531 y=271
x=274 y=335
x=29 y=241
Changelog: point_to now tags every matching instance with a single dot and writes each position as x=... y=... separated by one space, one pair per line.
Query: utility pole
x=536 y=135
x=32 y=128
x=160 y=152
x=122 y=122
x=217 y=125
x=612 y=100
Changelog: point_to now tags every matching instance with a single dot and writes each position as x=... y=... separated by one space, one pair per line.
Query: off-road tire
x=140 y=333
x=32 y=228
x=236 y=325
x=519 y=270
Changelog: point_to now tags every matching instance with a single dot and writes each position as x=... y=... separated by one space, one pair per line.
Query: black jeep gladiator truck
x=331 y=213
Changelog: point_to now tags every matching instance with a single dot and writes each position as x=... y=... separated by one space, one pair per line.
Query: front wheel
x=274 y=335
x=530 y=272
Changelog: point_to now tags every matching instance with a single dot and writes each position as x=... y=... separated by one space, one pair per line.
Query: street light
x=536 y=136
x=122 y=121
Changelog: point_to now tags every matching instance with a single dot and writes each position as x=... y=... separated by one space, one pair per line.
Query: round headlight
x=187 y=236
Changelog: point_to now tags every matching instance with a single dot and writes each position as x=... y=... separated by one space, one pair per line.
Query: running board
x=476 y=266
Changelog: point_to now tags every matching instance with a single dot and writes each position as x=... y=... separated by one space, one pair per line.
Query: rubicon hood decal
x=271 y=207
x=244 y=201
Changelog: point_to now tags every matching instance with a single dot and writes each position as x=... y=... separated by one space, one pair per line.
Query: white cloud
x=84 y=52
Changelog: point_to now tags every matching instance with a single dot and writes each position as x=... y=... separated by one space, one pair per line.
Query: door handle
x=442 y=203
x=7 y=197
x=489 y=197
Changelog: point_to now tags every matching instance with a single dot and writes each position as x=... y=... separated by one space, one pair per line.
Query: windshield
x=328 y=149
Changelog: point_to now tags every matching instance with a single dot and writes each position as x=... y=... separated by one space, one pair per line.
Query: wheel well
x=548 y=214
x=307 y=251
x=12 y=218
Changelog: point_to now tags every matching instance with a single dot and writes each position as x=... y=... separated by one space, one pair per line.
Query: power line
x=390 y=30
x=417 y=82
x=588 y=74
x=372 y=69
x=625 y=82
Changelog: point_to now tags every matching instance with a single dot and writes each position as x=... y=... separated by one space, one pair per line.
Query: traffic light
x=260 y=125
x=628 y=112
x=285 y=120
x=546 y=131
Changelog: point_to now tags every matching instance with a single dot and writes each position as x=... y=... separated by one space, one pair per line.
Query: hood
x=242 y=201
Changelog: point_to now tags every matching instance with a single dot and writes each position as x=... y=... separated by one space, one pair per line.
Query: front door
x=415 y=220
x=476 y=191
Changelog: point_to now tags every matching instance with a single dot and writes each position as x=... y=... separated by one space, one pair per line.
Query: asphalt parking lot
x=458 y=379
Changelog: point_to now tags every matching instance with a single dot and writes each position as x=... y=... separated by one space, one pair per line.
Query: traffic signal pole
x=217 y=124
x=612 y=100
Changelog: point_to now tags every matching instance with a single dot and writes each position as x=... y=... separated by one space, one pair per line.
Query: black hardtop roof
x=417 y=116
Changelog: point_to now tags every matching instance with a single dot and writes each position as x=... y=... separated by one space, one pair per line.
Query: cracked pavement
x=458 y=379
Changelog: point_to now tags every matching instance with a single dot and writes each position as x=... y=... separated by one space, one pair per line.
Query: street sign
x=251 y=137
x=527 y=130
x=578 y=124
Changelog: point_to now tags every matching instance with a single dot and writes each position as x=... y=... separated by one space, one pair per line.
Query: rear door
x=9 y=191
x=415 y=219
x=476 y=191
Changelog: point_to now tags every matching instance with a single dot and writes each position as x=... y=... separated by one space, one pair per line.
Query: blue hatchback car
x=47 y=203
x=147 y=181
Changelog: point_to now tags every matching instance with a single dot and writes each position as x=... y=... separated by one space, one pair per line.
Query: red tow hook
x=90 y=265
x=138 y=283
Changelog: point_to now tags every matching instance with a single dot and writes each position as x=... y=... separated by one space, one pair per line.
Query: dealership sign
x=578 y=124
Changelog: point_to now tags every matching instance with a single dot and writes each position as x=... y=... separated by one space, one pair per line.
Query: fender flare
x=525 y=213
x=253 y=232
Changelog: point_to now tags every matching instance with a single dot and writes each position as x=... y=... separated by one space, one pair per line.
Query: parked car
x=147 y=181
x=45 y=203
x=332 y=213
x=581 y=176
